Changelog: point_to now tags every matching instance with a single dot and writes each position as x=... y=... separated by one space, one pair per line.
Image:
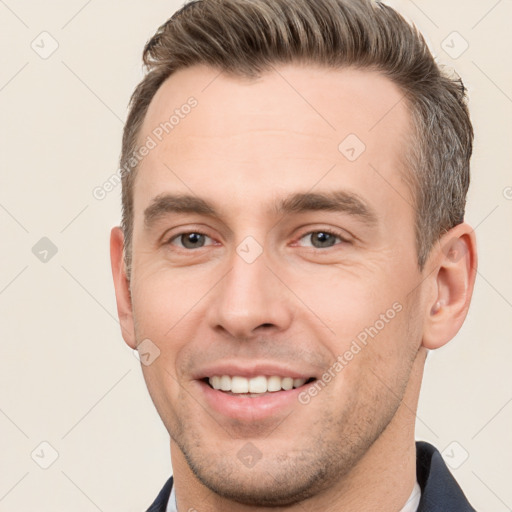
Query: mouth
x=249 y=391
x=254 y=387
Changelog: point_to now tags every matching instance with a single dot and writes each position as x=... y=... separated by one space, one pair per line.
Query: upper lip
x=251 y=369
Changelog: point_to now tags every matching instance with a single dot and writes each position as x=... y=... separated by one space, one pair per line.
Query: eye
x=189 y=240
x=322 y=239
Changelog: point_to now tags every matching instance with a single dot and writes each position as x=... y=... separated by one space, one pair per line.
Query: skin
x=246 y=145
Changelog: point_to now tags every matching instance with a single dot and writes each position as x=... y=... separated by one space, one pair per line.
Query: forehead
x=209 y=131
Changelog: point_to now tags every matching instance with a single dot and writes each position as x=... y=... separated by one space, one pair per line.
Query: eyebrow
x=334 y=201
x=165 y=204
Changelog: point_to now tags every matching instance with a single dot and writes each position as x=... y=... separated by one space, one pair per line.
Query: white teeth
x=274 y=384
x=297 y=383
x=239 y=385
x=287 y=383
x=215 y=382
x=225 y=383
x=259 y=384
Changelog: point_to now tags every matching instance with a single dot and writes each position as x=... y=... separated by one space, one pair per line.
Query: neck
x=382 y=480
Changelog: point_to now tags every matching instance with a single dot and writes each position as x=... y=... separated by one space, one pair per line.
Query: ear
x=455 y=263
x=122 y=286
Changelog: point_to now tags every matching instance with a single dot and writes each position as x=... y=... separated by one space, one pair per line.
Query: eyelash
x=331 y=232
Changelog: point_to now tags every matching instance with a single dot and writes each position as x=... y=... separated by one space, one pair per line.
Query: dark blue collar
x=439 y=490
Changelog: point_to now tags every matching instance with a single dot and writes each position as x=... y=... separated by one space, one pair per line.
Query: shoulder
x=160 y=503
x=439 y=489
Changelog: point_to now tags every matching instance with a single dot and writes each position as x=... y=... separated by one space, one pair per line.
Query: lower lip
x=246 y=408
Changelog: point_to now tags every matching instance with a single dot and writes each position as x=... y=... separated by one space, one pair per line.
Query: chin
x=284 y=476
x=263 y=487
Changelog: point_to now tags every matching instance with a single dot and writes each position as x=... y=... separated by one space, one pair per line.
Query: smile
x=238 y=385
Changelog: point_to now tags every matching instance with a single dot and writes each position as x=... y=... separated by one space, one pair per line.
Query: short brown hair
x=247 y=37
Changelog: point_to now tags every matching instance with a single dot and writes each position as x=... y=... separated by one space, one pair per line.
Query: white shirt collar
x=414 y=499
x=171 y=504
x=410 y=506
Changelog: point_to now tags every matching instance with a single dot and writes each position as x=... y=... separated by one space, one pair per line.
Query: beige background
x=66 y=376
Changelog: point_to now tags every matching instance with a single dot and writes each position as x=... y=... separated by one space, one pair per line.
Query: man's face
x=270 y=284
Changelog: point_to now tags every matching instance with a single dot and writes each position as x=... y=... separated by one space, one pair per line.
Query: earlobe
x=455 y=262
x=122 y=286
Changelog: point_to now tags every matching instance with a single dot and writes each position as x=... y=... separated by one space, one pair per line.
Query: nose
x=250 y=299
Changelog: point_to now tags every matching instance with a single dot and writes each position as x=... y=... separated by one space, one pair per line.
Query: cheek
x=367 y=328
x=164 y=390
x=345 y=303
x=391 y=345
x=165 y=312
x=376 y=366
x=165 y=302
